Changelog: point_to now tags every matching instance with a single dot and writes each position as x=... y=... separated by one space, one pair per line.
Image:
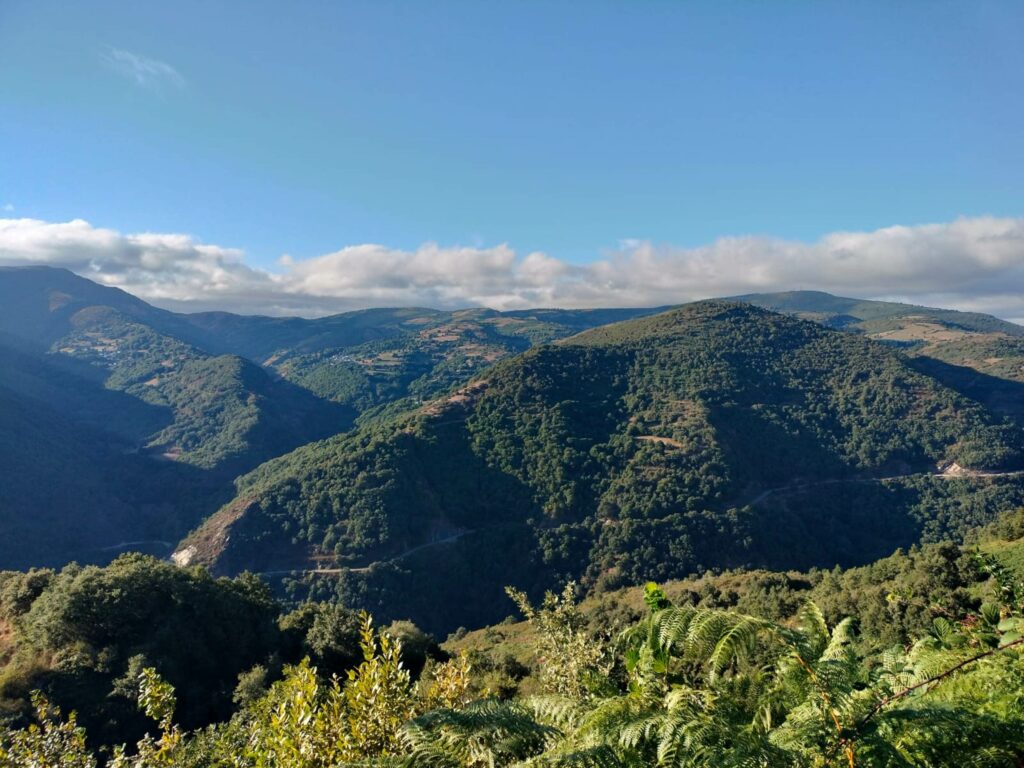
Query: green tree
x=573 y=662
x=378 y=698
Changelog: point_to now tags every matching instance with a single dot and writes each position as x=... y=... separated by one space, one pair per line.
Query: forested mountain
x=71 y=491
x=662 y=444
x=105 y=390
x=735 y=453
x=66 y=338
x=116 y=435
x=357 y=359
x=715 y=435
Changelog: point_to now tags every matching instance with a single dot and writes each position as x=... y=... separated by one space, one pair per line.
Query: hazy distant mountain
x=878 y=317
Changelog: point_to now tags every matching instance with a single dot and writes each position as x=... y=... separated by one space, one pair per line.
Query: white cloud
x=141 y=70
x=975 y=263
x=8 y=207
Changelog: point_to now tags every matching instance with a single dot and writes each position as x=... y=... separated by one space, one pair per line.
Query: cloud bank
x=971 y=263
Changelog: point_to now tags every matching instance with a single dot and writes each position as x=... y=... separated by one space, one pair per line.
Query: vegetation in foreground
x=680 y=685
x=684 y=686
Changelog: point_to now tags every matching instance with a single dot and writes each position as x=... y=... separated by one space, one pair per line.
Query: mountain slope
x=716 y=435
x=396 y=358
x=875 y=316
x=216 y=412
x=214 y=392
x=360 y=360
x=37 y=303
x=74 y=492
x=979 y=355
x=223 y=412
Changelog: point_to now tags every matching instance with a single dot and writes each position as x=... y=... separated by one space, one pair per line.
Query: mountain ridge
x=577 y=457
x=569 y=420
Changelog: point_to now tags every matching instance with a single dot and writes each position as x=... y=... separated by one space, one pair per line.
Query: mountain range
x=415 y=461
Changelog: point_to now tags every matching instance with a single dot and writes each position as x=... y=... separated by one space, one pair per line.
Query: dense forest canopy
x=130 y=389
x=116 y=390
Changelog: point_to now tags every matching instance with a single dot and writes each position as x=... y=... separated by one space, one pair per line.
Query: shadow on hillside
x=113 y=504
x=86 y=489
x=764 y=454
x=76 y=389
x=425 y=572
x=1001 y=396
x=292 y=417
x=457 y=584
x=847 y=524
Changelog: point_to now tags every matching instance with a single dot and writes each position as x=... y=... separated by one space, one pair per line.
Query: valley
x=248 y=483
x=511 y=385
x=384 y=452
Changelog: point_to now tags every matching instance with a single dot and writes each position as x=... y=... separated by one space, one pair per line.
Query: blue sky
x=562 y=127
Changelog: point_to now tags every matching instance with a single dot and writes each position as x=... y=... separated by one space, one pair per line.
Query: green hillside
x=223 y=412
x=716 y=435
x=979 y=355
x=662 y=444
x=215 y=412
x=359 y=360
x=414 y=355
x=73 y=492
x=216 y=392
x=895 y=599
x=130 y=438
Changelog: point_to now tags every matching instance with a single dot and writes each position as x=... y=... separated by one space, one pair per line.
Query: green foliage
x=47 y=743
x=91 y=629
x=157 y=701
x=448 y=686
x=307 y=722
x=486 y=733
x=326 y=633
x=252 y=684
x=574 y=662
x=702 y=687
x=294 y=725
x=378 y=698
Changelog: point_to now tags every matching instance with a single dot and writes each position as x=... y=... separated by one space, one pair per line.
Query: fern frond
x=489 y=731
x=812 y=624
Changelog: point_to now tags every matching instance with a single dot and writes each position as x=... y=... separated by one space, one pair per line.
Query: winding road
x=967 y=475
x=446 y=540
x=754 y=502
x=124 y=544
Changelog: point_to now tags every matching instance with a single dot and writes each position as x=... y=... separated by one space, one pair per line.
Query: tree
x=157 y=700
x=574 y=663
x=378 y=698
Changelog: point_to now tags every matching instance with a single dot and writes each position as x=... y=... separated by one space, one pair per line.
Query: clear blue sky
x=561 y=126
